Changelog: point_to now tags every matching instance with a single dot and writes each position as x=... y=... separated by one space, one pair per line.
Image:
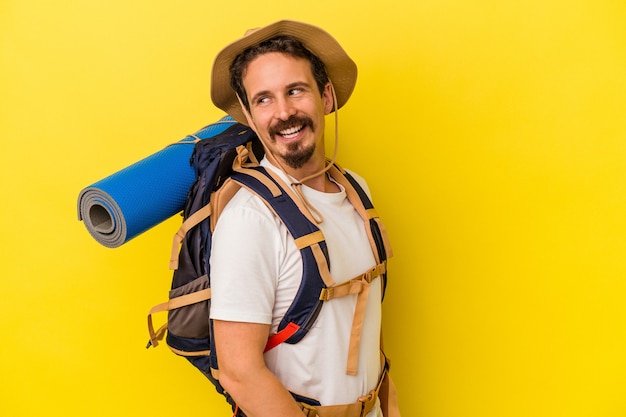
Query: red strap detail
x=281 y=336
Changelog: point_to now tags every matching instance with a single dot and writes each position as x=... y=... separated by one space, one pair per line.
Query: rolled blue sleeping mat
x=129 y=202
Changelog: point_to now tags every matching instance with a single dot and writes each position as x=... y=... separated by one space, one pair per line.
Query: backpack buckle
x=367 y=402
x=308 y=410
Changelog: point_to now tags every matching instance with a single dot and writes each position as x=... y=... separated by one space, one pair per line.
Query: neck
x=322 y=183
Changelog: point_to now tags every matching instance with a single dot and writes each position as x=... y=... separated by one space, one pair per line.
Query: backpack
x=224 y=163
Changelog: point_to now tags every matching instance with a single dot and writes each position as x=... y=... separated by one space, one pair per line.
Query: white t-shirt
x=256 y=271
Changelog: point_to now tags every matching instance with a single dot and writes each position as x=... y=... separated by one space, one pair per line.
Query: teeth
x=291 y=131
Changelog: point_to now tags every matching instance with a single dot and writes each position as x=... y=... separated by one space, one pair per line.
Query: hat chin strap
x=297 y=185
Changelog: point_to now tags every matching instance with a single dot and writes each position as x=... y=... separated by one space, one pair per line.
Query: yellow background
x=493 y=136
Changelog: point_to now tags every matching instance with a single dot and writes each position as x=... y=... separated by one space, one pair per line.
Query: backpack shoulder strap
x=380 y=247
x=359 y=199
x=310 y=241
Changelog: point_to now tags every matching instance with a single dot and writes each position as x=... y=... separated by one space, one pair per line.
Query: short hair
x=284 y=44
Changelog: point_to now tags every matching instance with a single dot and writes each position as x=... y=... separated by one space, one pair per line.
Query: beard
x=296 y=154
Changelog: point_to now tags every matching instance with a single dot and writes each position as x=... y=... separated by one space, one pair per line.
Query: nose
x=284 y=109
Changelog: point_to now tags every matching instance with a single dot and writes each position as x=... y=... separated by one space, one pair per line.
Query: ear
x=328 y=98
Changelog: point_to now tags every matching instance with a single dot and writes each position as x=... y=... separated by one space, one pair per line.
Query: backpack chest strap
x=353 y=286
x=360 y=286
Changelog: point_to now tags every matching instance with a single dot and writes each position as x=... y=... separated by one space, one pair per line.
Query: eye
x=295 y=91
x=262 y=100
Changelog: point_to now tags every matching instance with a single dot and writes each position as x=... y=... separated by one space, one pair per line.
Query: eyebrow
x=298 y=84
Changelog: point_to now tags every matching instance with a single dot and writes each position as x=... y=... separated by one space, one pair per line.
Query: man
x=282 y=80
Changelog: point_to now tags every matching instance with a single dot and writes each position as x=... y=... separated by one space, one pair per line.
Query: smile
x=292 y=132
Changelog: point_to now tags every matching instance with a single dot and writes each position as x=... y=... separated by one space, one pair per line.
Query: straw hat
x=340 y=68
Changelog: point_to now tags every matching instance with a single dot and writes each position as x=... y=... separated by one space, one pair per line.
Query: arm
x=242 y=370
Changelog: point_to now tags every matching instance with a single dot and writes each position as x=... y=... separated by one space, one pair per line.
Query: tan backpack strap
x=263 y=179
x=309 y=240
x=357 y=326
x=194 y=353
x=359 y=316
x=353 y=286
x=155 y=336
x=358 y=409
x=387 y=394
x=172 y=304
x=363 y=406
x=365 y=214
x=220 y=198
x=359 y=285
x=187 y=225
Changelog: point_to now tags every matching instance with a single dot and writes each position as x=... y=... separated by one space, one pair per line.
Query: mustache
x=293 y=121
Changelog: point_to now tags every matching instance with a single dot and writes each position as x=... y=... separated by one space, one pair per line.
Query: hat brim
x=341 y=69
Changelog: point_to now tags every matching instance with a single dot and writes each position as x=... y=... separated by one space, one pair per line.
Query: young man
x=282 y=80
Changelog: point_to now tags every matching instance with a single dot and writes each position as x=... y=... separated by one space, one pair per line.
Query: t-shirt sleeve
x=244 y=262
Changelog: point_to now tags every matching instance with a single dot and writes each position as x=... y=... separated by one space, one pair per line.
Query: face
x=286 y=108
